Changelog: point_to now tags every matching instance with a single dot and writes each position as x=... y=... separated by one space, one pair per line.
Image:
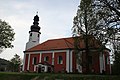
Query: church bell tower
x=34 y=34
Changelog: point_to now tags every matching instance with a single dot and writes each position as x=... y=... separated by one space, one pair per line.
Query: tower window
x=60 y=60
x=30 y=34
x=38 y=35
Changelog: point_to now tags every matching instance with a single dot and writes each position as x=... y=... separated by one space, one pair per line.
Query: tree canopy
x=15 y=63
x=6 y=35
x=99 y=18
x=109 y=11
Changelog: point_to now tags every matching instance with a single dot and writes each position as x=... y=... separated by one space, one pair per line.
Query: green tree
x=110 y=12
x=82 y=26
x=6 y=35
x=15 y=63
x=96 y=18
x=113 y=5
x=100 y=20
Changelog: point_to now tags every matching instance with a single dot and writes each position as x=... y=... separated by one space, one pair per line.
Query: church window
x=46 y=58
x=38 y=35
x=34 y=61
x=60 y=60
x=106 y=60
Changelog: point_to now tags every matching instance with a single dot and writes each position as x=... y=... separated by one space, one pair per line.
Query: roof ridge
x=59 y=38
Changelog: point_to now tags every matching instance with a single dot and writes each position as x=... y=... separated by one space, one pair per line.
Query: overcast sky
x=56 y=20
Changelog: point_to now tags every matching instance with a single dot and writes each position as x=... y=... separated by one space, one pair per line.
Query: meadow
x=53 y=76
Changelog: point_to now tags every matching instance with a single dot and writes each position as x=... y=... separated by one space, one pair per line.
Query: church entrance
x=43 y=67
x=39 y=69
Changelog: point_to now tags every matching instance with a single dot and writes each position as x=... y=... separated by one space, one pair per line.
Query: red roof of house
x=54 y=44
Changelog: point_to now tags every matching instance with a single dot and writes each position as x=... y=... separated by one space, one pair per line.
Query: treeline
x=14 y=65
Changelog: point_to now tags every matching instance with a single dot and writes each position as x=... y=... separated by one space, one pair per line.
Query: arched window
x=60 y=60
x=46 y=58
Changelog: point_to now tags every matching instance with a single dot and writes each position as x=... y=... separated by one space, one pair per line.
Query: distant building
x=58 y=55
x=4 y=65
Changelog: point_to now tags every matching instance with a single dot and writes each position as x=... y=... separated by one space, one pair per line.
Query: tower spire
x=35 y=27
x=34 y=33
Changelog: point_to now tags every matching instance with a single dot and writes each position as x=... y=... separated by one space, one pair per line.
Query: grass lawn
x=52 y=76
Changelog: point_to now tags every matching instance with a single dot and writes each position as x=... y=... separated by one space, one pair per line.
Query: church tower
x=34 y=34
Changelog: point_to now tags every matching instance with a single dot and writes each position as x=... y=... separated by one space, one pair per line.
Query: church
x=58 y=55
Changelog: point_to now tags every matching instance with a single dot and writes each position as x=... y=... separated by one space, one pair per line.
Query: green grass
x=52 y=76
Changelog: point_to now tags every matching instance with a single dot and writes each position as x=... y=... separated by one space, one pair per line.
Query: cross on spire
x=37 y=13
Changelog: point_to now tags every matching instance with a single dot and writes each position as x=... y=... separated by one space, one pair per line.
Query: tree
x=109 y=11
x=101 y=21
x=113 y=5
x=15 y=63
x=6 y=35
x=96 y=18
x=116 y=64
x=84 y=18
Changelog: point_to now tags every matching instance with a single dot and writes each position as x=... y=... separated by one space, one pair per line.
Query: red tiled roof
x=54 y=44
x=64 y=43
